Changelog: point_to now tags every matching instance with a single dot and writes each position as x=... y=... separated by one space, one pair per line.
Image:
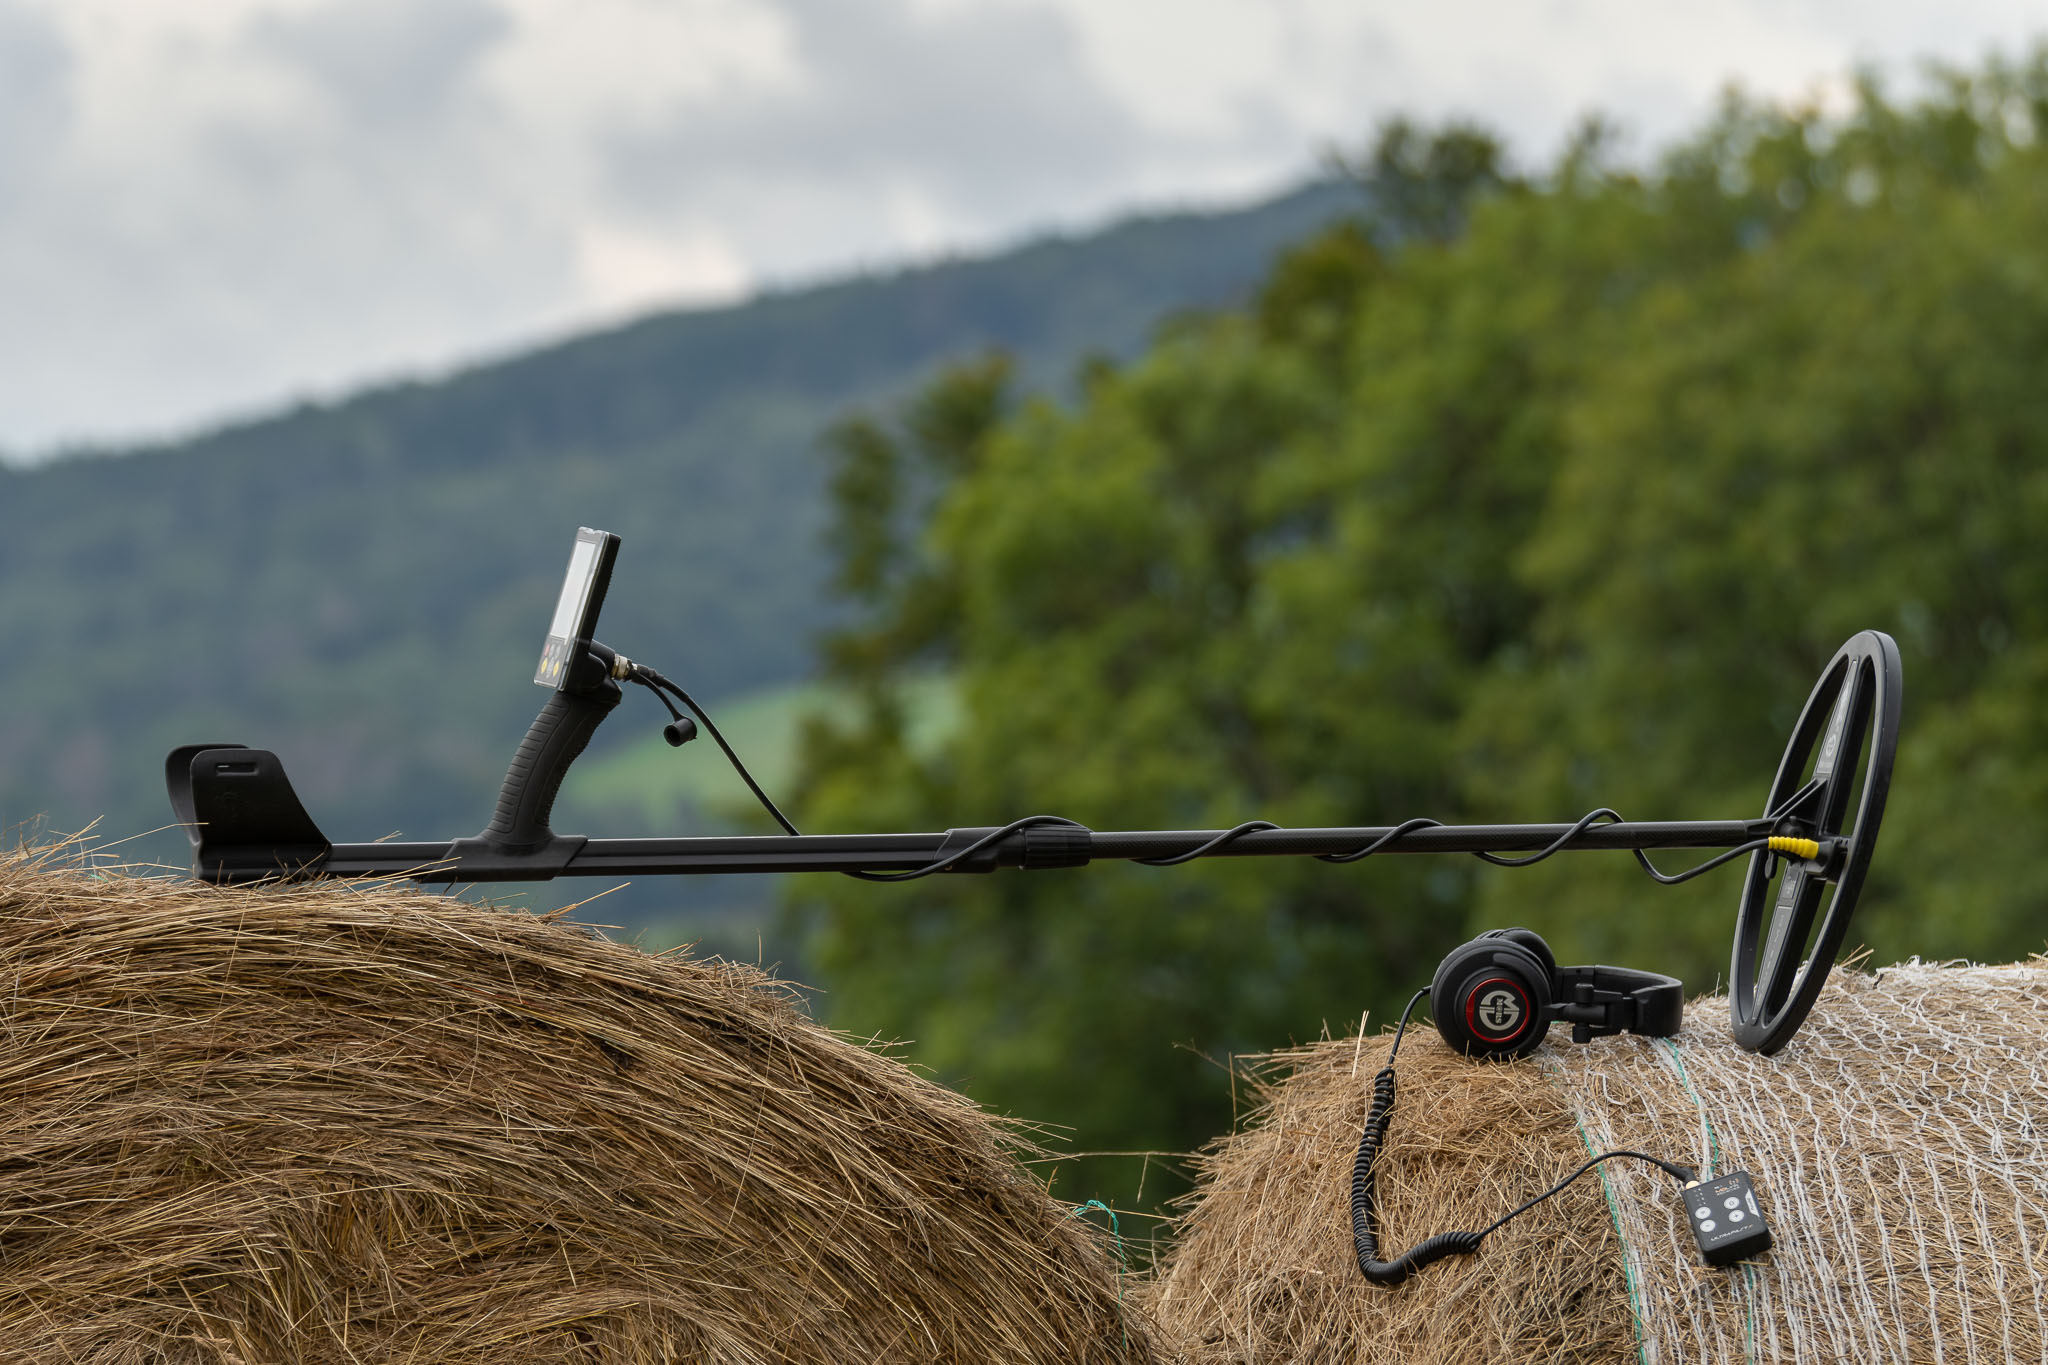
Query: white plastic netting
x=1900 y=1148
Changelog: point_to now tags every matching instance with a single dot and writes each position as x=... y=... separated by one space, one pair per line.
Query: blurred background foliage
x=1520 y=497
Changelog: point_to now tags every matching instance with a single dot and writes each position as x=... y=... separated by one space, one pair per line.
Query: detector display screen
x=590 y=572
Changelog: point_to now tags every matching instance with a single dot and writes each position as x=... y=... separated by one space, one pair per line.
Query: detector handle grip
x=557 y=736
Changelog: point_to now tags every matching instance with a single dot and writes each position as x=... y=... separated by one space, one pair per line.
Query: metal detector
x=1814 y=839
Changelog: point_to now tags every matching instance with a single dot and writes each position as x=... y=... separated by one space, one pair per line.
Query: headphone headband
x=1598 y=1001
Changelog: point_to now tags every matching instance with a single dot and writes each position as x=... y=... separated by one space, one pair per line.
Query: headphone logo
x=1500 y=1011
x=1496 y=1011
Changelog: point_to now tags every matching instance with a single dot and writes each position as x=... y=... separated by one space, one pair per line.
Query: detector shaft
x=903 y=852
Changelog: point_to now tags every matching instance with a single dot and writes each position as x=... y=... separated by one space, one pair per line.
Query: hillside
x=361 y=586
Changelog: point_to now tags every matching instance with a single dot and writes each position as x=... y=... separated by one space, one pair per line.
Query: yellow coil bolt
x=1795 y=848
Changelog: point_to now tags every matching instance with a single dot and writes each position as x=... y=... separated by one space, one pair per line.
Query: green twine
x=1122 y=1264
x=1628 y=1260
x=1748 y=1291
x=1749 y=1297
x=1706 y=1124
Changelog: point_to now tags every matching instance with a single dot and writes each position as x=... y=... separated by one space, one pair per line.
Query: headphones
x=1497 y=996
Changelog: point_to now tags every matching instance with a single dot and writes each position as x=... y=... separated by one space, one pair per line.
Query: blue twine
x=1081 y=1211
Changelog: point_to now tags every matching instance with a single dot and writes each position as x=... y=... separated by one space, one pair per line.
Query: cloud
x=281 y=197
x=246 y=211
x=213 y=205
x=35 y=96
x=904 y=123
x=389 y=62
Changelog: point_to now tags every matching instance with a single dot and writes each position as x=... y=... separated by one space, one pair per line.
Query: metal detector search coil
x=246 y=823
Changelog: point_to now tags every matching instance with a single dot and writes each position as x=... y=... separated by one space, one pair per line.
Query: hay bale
x=335 y=1123
x=1899 y=1146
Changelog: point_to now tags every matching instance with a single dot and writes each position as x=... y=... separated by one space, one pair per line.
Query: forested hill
x=363 y=586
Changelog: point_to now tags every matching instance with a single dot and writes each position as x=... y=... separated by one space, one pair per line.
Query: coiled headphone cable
x=1433 y=1249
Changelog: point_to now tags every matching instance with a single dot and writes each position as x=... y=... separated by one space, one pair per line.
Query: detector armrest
x=241 y=814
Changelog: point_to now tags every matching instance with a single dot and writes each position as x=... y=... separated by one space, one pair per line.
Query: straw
x=341 y=1123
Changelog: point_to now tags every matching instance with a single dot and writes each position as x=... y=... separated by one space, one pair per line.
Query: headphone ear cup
x=1489 y=998
x=1533 y=941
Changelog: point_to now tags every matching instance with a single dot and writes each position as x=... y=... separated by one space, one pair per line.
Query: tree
x=1561 y=511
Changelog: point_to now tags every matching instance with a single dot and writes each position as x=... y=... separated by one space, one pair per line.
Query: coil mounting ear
x=1492 y=997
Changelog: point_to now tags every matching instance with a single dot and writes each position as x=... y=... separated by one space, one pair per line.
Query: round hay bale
x=339 y=1123
x=1898 y=1144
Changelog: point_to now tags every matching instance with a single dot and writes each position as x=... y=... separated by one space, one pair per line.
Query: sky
x=210 y=208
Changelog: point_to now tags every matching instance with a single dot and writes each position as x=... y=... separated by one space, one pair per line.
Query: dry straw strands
x=1899 y=1144
x=346 y=1124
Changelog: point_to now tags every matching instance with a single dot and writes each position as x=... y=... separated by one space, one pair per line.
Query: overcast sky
x=209 y=207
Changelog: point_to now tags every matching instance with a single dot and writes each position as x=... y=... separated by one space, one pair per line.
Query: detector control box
x=1726 y=1219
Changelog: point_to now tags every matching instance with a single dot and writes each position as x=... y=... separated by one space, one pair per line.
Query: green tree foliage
x=1424 y=184
x=1563 y=509
x=1839 y=424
